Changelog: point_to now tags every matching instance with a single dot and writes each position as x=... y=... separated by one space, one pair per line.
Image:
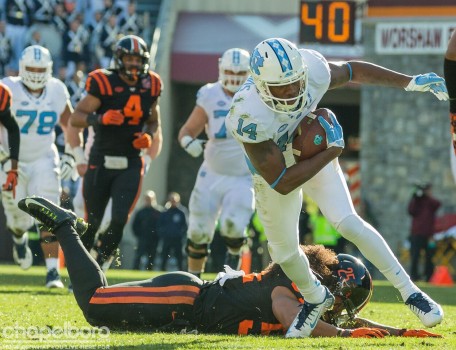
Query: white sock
x=52 y=263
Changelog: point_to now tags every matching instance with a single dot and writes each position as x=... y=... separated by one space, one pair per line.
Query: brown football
x=310 y=137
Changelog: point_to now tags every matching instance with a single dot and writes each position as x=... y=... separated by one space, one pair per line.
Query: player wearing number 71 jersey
x=223 y=188
x=39 y=102
x=122 y=106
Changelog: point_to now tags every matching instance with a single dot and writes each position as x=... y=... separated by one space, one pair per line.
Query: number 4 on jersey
x=133 y=109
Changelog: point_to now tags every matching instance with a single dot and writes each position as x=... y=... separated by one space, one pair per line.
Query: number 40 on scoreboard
x=328 y=22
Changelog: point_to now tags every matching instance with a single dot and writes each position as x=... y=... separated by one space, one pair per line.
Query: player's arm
x=365 y=73
x=83 y=115
x=67 y=162
x=190 y=131
x=65 y=116
x=400 y=332
x=153 y=127
x=10 y=124
x=268 y=160
x=285 y=307
x=361 y=72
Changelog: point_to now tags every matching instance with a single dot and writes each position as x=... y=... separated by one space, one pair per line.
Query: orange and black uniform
x=115 y=167
x=243 y=305
x=9 y=122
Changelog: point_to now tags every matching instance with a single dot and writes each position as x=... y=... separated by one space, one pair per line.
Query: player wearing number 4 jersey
x=285 y=85
x=122 y=106
x=39 y=102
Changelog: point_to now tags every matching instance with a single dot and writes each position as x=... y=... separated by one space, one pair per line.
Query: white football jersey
x=222 y=153
x=251 y=121
x=36 y=116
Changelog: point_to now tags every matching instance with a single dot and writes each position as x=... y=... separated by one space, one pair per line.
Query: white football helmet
x=277 y=62
x=35 y=56
x=237 y=61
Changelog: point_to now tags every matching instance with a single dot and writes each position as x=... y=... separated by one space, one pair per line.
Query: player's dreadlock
x=322 y=261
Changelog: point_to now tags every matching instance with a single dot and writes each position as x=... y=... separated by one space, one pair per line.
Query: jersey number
x=221 y=113
x=46 y=121
x=249 y=129
x=133 y=110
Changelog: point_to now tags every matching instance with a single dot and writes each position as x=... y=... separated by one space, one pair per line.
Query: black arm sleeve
x=449 y=69
x=10 y=124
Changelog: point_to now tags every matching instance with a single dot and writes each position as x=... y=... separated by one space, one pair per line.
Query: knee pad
x=351 y=227
x=203 y=250
x=234 y=244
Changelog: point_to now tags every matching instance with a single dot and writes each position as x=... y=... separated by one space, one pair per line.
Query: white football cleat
x=427 y=310
x=307 y=319
x=22 y=254
x=53 y=279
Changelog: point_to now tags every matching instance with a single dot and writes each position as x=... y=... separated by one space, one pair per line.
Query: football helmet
x=35 y=56
x=131 y=45
x=353 y=287
x=233 y=61
x=278 y=62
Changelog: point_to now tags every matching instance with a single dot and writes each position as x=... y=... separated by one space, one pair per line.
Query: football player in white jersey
x=223 y=188
x=285 y=85
x=39 y=101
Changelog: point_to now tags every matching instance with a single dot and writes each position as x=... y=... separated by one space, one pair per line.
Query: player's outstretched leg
x=307 y=319
x=51 y=215
x=83 y=270
x=428 y=311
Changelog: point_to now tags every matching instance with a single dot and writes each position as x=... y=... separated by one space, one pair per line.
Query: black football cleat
x=51 y=215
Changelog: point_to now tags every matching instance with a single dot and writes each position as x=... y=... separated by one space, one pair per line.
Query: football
x=310 y=137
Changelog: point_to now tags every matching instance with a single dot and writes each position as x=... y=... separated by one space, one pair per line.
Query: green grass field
x=33 y=317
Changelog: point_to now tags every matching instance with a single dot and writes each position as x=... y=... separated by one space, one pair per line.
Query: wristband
x=79 y=157
x=93 y=119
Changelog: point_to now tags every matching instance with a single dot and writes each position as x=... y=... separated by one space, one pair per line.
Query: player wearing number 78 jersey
x=122 y=106
x=39 y=102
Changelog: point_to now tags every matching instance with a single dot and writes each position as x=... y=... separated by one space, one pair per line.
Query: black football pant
x=101 y=184
x=146 y=304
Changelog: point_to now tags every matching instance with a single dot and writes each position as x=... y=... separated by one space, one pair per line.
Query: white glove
x=67 y=165
x=229 y=274
x=194 y=147
x=429 y=82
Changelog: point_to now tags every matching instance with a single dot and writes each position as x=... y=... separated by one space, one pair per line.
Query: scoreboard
x=330 y=22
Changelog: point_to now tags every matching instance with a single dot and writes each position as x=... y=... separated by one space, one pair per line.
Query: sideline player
x=122 y=106
x=223 y=188
x=285 y=85
x=39 y=102
x=235 y=303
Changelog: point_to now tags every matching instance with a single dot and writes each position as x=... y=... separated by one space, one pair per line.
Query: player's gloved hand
x=334 y=133
x=142 y=140
x=67 y=165
x=11 y=182
x=192 y=146
x=365 y=332
x=112 y=117
x=418 y=333
x=429 y=82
